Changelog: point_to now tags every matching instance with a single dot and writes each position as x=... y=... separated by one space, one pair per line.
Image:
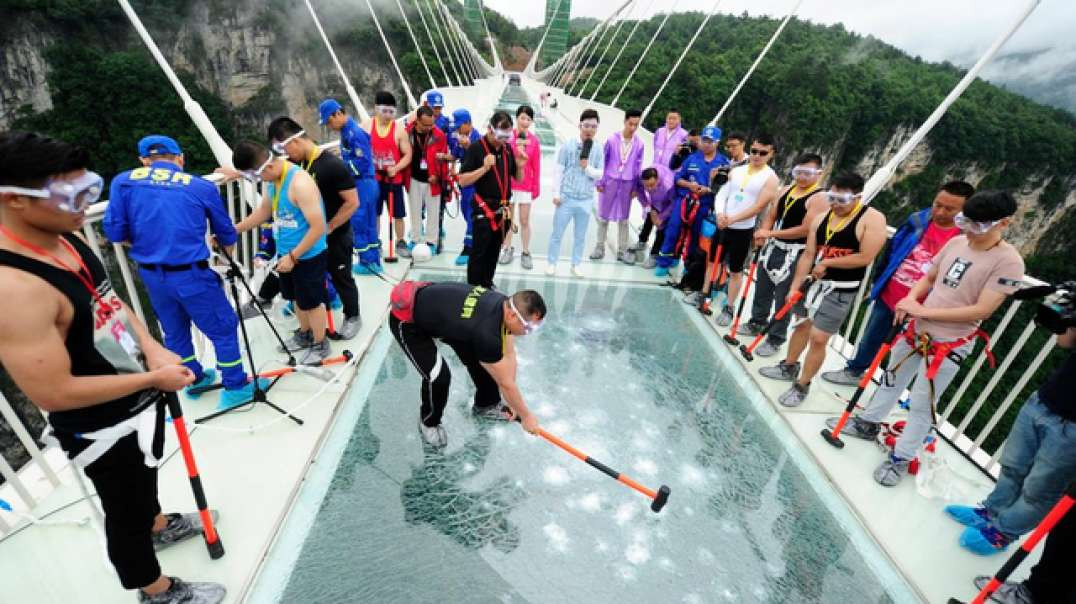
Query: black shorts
x=399 y=205
x=737 y=244
x=305 y=284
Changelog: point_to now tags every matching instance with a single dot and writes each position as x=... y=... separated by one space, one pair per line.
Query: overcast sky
x=955 y=30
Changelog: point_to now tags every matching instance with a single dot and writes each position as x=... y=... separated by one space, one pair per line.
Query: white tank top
x=744 y=191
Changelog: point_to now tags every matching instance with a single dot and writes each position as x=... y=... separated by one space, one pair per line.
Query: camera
x=1057 y=311
x=721 y=176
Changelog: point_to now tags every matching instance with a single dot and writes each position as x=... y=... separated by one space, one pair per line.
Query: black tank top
x=843 y=243
x=464 y=316
x=85 y=358
x=792 y=216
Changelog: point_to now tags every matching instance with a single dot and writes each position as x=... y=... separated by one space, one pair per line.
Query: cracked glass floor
x=626 y=375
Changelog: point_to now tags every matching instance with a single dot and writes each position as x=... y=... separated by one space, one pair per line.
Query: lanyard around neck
x=502 y=184
x=830 y=231
x=279 y=186
x=82 y=272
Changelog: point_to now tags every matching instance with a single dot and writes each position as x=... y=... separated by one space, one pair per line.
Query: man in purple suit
x=619 y=185
x=668 y=139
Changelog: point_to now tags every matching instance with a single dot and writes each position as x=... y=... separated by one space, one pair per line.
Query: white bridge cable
x=351 y=93
x=758 y=60
x=497 y=66
x=879 y=179
x=646 y=50
x=529 y=70
x=584 y=44
x=597 y=66
x=623 y=46
x=392 y=56
x=436 y=52
x=577 y=77
x=561 y=66
x=572 y=56
x=414 y=40
x=481 y=65
x=468 y=67
x=221 y=151
x=441 y=36
x=679 y=60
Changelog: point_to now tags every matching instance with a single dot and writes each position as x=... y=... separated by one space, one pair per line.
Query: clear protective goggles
x=974 y=226
x=256 y=175
x=589 y=124
x=842 y=199
x=278 y=146
x=503 y=135
x=385 y=110
x=528 y=327
x=68 y=195
x=805 y=172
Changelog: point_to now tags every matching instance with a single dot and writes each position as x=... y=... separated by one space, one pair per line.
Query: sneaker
x=985 y=541
x=751 y=329
x=891 y=471
x=350 y=328
x=650 y=262
x=577 y=273
x=209 y=376
x=298 y=341
x=785 y=372
x=794 y=396
x=507 y=254
x=766 y=349
x=844 y=377
x=662 y=271
x=463 y=259
x=857 y=427
x=976 y=517
x=637 y=246
x=525 y=261
x=434 y=436
x=250 y=309
x=199 y=592
x=693 y=299
x=180 y=527
x=725 y=318
x=316 y=353
x=551 y=270
x=627 y=257
x=599 y=252
x=402 y=249
x=496 y=412
x=1008 y=592
x=239 y=396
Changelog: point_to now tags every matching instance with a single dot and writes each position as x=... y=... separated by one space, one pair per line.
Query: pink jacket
x=532 y=172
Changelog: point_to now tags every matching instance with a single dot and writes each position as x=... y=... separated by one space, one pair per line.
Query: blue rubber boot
x=238 y=396
x=209 y=376
x=462 y=259
x=985 y=541
x=661 y=271
x=969 y=516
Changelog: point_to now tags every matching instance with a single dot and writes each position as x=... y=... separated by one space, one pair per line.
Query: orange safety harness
x=689 y=209
x=502 y=186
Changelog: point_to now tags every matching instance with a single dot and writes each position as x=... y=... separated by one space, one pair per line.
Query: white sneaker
x=551 y=270
x=436 y=436
x=578 y=274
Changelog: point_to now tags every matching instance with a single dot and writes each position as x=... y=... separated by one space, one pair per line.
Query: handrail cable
x=388 y=49
x=679 y=60
x=414 y=40
x=623 y=46
x=646 y=50
x=612 y=39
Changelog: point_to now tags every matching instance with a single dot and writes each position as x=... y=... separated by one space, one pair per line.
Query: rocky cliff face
x=22 y=71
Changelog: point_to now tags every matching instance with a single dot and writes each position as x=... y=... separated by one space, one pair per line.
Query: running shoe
x=403 y=250
x=766 y=349
x=180 y=527
x=250 y=309
x=182 y=592
x=506 y=255
x=725 y=318
x=525 y=260
x=843 y=377
x=350 y=328
x=794 y=396
x=857 y=427
x=315 y=353
x=785 y=372
x=496 y=412
x=627 y=257
x=434 y=436
x=650 y=262
x=298 y=341
x=1008 y=592
x=599 y=252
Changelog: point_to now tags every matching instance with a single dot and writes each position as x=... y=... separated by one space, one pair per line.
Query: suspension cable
x=683 y=54
x=758 y=60
x=453 y=42
x=529 y=70
x=351 y=93
x=436 y=52
x=392 y=56
x=623 y=46
x=577 y=74
x=584 y=45
x=497 y=65
x=414 y=40
x=481 y=66
x=646 y=50
x=597 y=66
x=441 y=36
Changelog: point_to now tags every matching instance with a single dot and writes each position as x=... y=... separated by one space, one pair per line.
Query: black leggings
x=485 y=248
x=659 y=237
x=421 y=350
x=1049 y=580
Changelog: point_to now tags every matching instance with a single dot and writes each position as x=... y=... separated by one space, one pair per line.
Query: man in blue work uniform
x=436 y=101
x=692 y=181
x=162 y=212
x=356 y=153
x=463 y=136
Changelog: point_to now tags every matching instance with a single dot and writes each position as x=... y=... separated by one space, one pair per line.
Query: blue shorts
x=399 y=207
x=305 y=284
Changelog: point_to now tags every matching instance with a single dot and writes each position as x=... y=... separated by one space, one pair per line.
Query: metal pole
x=646 y=50
x=620 y=52
x=676 y=65
x=392 y=56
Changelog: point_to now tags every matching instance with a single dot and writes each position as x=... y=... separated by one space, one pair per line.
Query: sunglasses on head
x=761 y=152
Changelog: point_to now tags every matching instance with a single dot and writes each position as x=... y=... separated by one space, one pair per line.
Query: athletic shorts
x=737 y=245
x=831 y=312
x=399 y=206
x=520 y=197
x=305 y=284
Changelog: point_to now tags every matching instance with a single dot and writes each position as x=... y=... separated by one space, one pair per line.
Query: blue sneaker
x=969 y=516
x=462 y=259
x=985 y=541
x=662 y=271
x=209 y=376
x=288 y=310
x=238 y=396
x=360 y=269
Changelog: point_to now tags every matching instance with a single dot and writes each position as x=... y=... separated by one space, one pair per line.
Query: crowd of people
x=721 y=222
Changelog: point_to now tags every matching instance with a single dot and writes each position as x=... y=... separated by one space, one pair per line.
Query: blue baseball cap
x=158 y=144
x=435 y=99
x=711 y=132
x=461 y=116
x=327 y=108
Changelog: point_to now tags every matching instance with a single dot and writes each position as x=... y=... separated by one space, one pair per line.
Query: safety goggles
x=503 y=135
x=841 y=199
x=256 y=175
x=589 y=125
x=805 y=172
x=385 y=110
x=68 y=195
x=974 y=226
x=760 y=152
x=528 y=327
x=278 y=146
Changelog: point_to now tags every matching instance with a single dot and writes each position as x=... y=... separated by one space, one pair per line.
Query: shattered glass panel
x=624 y=374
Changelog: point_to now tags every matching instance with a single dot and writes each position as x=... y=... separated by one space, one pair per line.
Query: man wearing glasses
x=576 y=171
x=480 y=325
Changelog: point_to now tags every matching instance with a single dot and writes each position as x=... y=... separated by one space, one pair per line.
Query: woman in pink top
x=524 y=191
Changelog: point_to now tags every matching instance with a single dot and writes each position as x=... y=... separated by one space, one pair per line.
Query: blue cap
x=461 y=116
x=327 y=108
x=158 y=144
x=435 y=99
x=711 y=132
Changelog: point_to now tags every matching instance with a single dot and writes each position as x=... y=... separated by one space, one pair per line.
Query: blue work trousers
x=364 y=222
